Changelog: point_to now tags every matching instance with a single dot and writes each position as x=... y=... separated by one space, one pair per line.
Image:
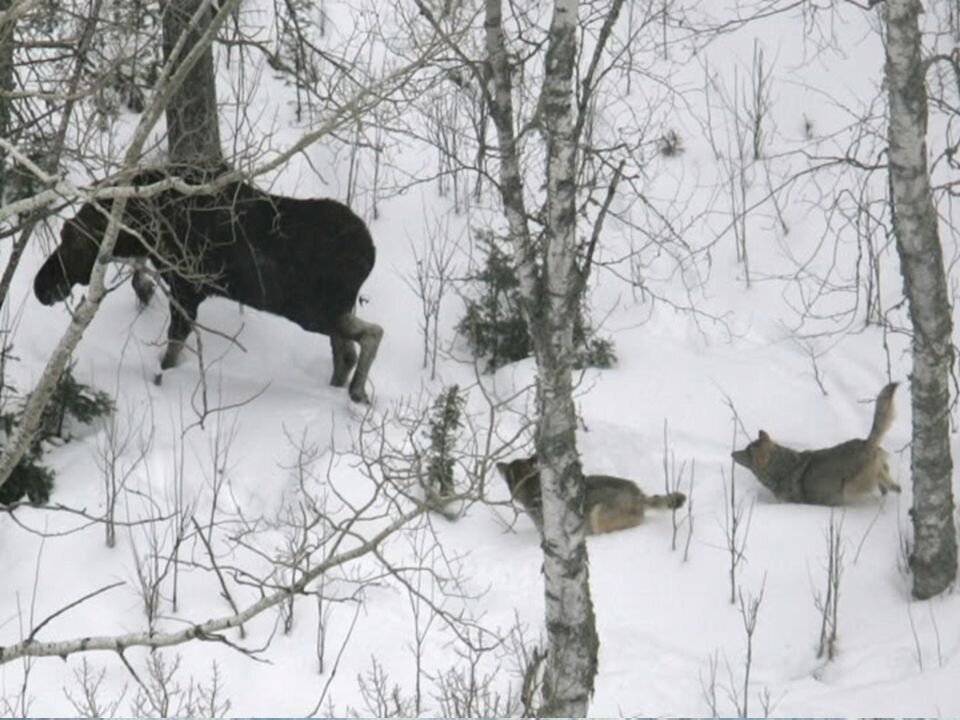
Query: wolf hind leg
x=885 y=481
x=605 y=519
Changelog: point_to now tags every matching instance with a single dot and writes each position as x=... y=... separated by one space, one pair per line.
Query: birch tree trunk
x=550 y=299
x=571 y=625
x=934 y=557
x=193 y=126
x=7 y=27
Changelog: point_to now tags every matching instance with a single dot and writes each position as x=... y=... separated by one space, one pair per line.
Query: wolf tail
x=672 y=500
x=883 y=415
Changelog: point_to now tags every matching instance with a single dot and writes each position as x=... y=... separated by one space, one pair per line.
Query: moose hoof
x=169 y=359
x=358 y=395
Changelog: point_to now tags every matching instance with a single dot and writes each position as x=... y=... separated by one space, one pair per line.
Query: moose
x=302 y=259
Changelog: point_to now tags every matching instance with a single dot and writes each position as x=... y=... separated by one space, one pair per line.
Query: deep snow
x=661 y=618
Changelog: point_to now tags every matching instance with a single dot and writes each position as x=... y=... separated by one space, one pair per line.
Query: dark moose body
x=304 y=260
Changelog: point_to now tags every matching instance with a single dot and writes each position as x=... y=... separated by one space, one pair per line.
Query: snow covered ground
x=666 y=623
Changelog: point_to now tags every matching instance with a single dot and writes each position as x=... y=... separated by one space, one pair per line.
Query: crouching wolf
x=830 y=476
x=611 y=503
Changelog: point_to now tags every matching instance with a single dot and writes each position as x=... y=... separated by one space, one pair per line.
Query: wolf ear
x=760 y=450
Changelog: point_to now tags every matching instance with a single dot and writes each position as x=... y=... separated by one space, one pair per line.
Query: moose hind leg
x=368 y=336
x=344 y=359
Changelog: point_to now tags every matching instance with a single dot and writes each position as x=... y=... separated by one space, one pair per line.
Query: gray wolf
x=829 y=476
x=611 y=503
x=304 y=260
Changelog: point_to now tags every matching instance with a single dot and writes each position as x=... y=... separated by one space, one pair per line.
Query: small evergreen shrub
x=446 y=419
x=30 y=479
x=70 y=400
x=493 y=324
x=593 y=351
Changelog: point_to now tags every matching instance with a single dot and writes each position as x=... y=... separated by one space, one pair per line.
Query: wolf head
x=523 y=479
x=755 y=456
x=520 y=474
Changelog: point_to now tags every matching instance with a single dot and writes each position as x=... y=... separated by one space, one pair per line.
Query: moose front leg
x=183 y=313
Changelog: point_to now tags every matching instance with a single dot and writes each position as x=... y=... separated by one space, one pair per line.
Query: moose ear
x=763 y=437
x=503 y=469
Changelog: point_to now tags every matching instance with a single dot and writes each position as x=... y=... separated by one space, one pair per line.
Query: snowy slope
x=663 y=618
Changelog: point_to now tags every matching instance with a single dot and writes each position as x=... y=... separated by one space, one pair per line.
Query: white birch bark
x=7 y=29
x=502 y=114
x=571 y=664
x=934 y=556
x=550 y=300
